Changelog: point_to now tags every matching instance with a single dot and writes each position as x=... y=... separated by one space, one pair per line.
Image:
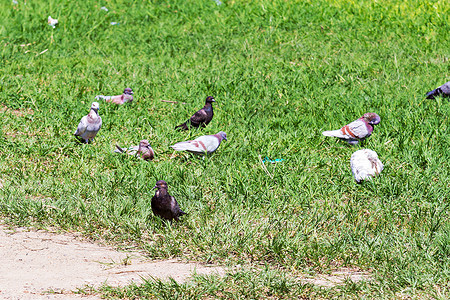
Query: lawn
x=281 y=72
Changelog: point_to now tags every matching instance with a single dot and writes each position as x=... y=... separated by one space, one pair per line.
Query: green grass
x=281 y=72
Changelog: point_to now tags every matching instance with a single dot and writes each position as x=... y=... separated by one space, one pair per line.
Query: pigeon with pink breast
x=357 y=130
x=205 y=144
x=89 y=125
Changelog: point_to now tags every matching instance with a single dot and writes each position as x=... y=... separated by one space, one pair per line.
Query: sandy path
x=34 y=263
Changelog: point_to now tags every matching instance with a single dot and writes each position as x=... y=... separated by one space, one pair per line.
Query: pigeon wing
x=445 y=88
x=147 y=153
x=191 y=146
x=82 y=126
x=175 y=208
x=163 y=206
x=334 y=133
x=206 y=143
x=209 y=142
x=199 y=117
x=356 y=129
x=101 y=97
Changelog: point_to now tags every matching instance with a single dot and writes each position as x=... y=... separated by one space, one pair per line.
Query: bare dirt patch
x=16 y=112
x=45 y=265
x=338 y=277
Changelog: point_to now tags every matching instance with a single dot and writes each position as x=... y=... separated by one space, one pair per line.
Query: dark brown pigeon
x=202 y=117
x=164 y=205
x=443 y=90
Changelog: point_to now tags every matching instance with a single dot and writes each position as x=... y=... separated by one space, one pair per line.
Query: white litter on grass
x=104 y=8
x=114 y=23
x=52 y=22
x=15 y=2
x=218 y=2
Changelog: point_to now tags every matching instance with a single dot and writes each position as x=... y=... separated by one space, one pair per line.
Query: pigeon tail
x=101 y=97
x=80 y=139
x=186 y=146
x=182 y=126
x=178 y=215
x=433 y=93
x=119 y=150
x=334 y=133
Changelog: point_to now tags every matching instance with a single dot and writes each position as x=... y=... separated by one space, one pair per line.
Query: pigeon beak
x=155 y=187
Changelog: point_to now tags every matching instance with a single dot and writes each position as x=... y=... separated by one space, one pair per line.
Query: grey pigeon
x=443 y=90
x=202 y=117
x=203 y=144
x=365 y=164
x=127 y=96
x=89 y=125
x=357 y=130
x=143 y=150
x=164 y=205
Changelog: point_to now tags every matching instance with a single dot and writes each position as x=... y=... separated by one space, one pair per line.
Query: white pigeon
x=90 y=124
x=203 y=144
x=365 y=164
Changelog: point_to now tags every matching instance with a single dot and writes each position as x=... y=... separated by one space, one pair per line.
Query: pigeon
x=443 y=90
x=127 y=96
x=143 y=150
x=357 y=130
x=202 y=117
x=203 y=144
x=164 y=205
x=365 y=164
x=89 y=125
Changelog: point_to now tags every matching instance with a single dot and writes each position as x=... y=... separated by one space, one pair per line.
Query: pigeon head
x=95 y=106
x=144 y=143
x=210 y=99
x=160 y=184
x=222 y=135
x=128 y=91
x=372 y=118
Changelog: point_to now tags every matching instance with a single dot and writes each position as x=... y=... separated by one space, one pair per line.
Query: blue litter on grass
x=266 y=159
